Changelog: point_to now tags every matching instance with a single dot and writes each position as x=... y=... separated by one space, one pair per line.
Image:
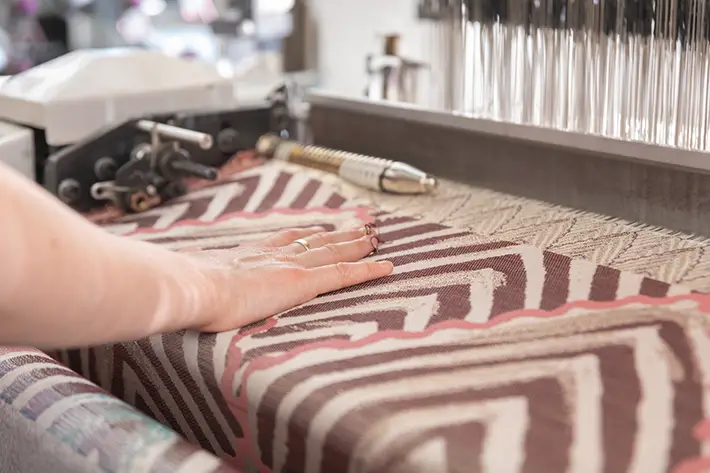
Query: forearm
x=65 y=282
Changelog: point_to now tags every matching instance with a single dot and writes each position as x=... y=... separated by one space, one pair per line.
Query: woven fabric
x=50 y=416
x=668 y=256
x=477 y=354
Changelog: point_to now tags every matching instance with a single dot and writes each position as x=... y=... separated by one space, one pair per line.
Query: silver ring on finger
x=306 y=246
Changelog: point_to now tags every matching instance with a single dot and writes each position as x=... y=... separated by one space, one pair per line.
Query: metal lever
x=203 y=140
x=191 y=168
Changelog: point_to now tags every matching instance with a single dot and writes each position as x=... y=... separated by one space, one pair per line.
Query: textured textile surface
x=54 y=420
x=668 y=256
x=477 y=354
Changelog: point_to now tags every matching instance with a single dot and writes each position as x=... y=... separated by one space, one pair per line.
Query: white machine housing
x=85 y=91
x=17 y=148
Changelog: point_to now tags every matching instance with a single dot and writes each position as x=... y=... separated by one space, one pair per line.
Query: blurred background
x=251 y=38
x=230 y=33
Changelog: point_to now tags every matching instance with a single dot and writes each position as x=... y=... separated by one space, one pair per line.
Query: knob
x=69 y=191
x=228 y=140
x=105 y=168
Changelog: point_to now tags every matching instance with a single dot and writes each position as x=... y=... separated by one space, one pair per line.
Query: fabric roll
x=478 y=354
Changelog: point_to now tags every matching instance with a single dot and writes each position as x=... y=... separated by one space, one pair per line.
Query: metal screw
x=140 y=151
x=228 y=140
x=69 y=191
x=105 y=168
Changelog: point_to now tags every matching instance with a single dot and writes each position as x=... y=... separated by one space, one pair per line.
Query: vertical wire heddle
x=628 y=69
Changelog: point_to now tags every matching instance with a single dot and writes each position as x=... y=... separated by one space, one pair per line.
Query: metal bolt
x=140 y=151
x=105 y=168
x=228 y=140
x=69 y=191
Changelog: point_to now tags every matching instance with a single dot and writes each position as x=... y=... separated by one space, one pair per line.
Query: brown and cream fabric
x=478 y=354
x=54 y=420
x=593 y=387
x=513 y=336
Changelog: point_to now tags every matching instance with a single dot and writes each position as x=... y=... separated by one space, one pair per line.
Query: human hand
x=258 y=280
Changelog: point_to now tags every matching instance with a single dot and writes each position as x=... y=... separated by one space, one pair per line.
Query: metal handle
x=203 y=140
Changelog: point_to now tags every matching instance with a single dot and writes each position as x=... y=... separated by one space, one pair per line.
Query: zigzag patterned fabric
x=475 y=355
x=54 y=420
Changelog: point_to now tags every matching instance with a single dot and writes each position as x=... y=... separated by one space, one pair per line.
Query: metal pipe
x=203 y=140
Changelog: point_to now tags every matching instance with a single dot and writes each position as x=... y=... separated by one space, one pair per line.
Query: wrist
x=196 y=290
x=189 y=293
x=181 y=289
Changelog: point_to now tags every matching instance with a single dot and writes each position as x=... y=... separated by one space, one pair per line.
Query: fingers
x=321 y=239
x=189 y=249
x=284 y=237
x=340 y=275
x=332 y=253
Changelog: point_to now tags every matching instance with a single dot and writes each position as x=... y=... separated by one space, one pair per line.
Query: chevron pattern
x=596 y=388
x=442 y=274
x=671 y=257
x=253 y=191
x=257 y=393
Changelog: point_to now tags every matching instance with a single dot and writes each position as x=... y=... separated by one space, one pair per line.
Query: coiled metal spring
x=330 y=160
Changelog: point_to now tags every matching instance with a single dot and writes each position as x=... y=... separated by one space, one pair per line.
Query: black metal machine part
x=282 y=121
x=148 y=180
x=110 y=155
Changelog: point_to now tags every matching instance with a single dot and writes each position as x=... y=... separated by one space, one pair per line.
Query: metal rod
x=203 y=140
x=631 y=70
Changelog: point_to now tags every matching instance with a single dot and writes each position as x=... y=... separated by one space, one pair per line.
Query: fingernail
x=375 y=242
x=359 y=229
x=386 y=264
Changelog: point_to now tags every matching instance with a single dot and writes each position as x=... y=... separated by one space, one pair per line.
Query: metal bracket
x=209 y=140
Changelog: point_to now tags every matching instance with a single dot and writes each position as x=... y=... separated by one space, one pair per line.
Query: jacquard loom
x=548 y=310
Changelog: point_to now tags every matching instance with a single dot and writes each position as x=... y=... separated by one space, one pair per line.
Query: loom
x=82 y=117
x=77 y=124
x=596 y=106
x=548 y=310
